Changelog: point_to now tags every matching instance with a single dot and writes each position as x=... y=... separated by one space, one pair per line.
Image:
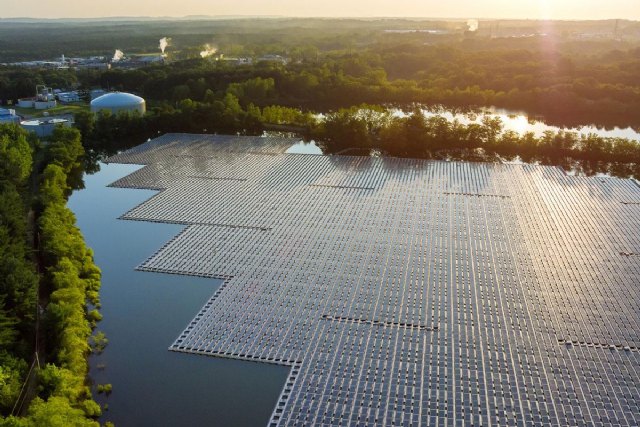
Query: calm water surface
x=516 y=121
x=145 y=312
x=519 y=122
x=304 y=148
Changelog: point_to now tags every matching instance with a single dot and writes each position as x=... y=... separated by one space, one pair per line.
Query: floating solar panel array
x=406 y=292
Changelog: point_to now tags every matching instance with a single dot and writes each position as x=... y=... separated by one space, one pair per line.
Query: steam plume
x=117 y=56
x=164 y=42
x=472 y=25
x=208 y=51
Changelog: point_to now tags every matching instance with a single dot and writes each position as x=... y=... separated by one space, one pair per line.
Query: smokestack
x=164 y=43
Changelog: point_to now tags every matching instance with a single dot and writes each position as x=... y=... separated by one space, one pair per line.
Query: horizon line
x=236 y=16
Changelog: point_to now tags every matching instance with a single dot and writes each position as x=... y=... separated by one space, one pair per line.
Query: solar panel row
x=406 y=292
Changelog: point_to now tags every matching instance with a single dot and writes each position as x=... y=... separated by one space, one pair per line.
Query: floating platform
x=405 y=292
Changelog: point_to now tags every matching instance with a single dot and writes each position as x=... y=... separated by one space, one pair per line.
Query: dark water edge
x=144 y=313
x=571 y=166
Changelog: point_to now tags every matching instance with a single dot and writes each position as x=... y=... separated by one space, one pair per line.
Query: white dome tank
x=118 y=101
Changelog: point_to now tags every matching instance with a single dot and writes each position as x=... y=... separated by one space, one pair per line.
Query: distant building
x=26 y=102
x=8 y=116
x=94 y=62
x=97 y=62
x=150 y=59
x=116 y=102
x=44 y=127
x=138 y=61
x=67 y=97
x=235 y=61
x=93 y=65
x=43 y=100
x=273 y=58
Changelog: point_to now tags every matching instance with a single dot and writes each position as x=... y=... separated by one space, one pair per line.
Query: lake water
x=519 y=122
x=516 y=121
x=305 y=148
x=145 y=312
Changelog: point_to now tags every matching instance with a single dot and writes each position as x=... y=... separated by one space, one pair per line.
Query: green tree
x=65 y=148
x=57 y=412
x=15 y=153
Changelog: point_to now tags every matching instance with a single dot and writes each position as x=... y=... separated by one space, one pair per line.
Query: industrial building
x=44 y=99
x=273 y=58
x=138 y=61
x=68 y=97
x=117 y=102
x=93 y=62
x=8 y=116
x=44 y=127
x=405 y=292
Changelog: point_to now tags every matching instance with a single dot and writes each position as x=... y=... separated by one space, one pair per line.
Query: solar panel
x=401 y=291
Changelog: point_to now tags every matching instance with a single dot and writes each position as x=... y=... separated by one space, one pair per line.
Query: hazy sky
x=532 y=9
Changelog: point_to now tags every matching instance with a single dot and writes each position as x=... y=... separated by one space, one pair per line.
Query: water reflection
x=569 y=165
x=519 y=122
x=304 y=148
x=145 y=312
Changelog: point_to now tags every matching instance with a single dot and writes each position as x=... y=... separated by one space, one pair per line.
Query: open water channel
x=145 y=312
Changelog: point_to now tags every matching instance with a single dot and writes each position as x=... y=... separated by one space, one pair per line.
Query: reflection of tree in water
x=360 y=130
x=75 y=178
x=578 y=167
x=570 y=165
x=619 y=170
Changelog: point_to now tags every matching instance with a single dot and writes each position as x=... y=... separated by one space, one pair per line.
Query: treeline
x=18 y=277
x=69 y=281
x=21 y=41
x=37 y=39
x=364 y=128
x=418 y=136
x=566 y=89
x=21 y=82
x=567 y=82
x=106 y=132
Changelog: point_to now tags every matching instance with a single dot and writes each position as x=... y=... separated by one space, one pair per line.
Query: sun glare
x=545 y=9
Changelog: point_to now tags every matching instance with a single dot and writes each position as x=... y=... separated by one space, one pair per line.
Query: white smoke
x=164 y=43
x=472 y=25
x=208 y=51
x=117 y=56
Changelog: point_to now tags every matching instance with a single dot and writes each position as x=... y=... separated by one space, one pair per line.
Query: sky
x=529 y=9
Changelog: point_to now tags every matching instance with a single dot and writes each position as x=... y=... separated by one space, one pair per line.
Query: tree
x=85 y=122
x=181 y=92
x=15 y=153
x=57 y=412
x=54 y=185
x=257 y=90
x=12 y=371
x=65 y=148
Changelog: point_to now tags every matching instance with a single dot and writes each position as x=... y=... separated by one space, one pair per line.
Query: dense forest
x=568 y=73
x=47 y=282
x=365 y=129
